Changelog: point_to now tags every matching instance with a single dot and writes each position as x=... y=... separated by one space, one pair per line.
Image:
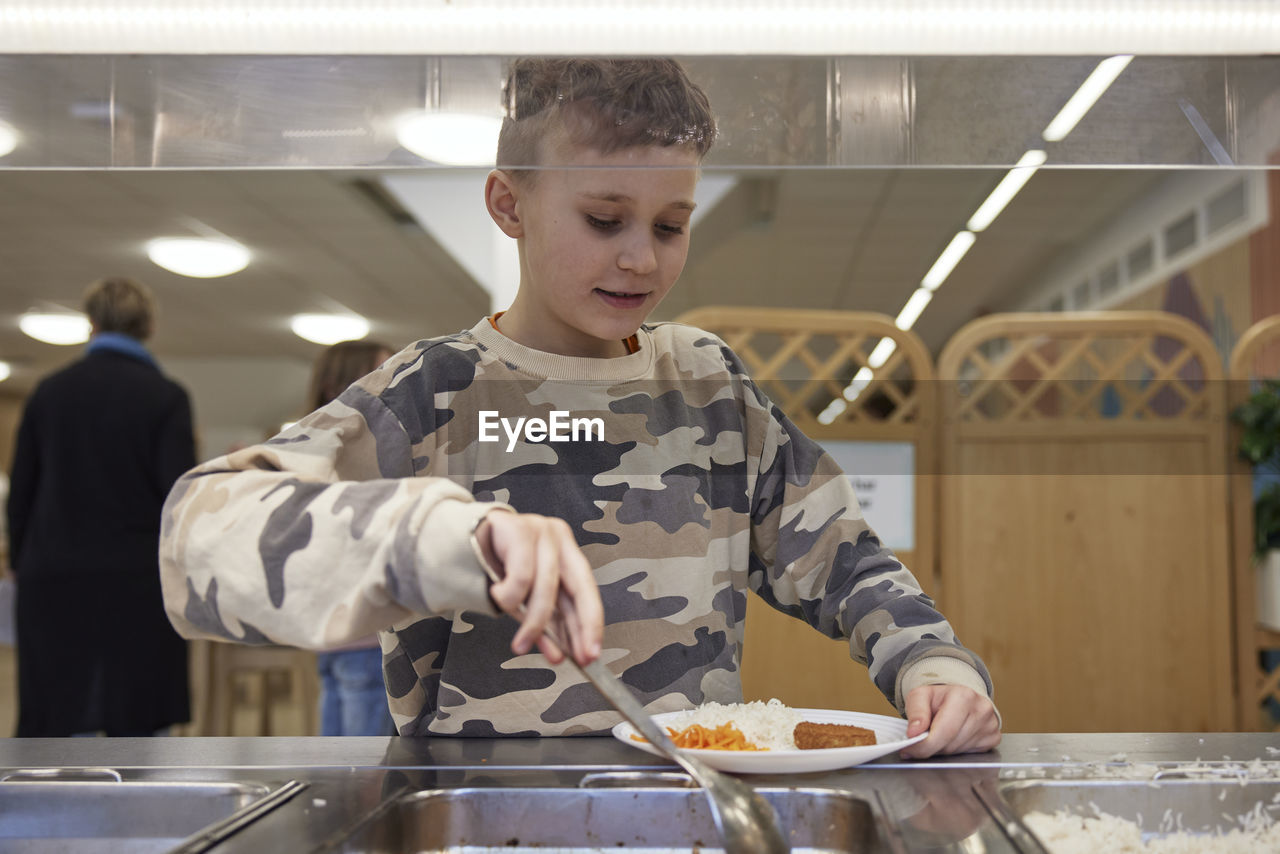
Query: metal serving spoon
x=746 y=822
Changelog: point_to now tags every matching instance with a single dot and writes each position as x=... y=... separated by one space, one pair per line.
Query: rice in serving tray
x=1065 y=833
x=768 y=725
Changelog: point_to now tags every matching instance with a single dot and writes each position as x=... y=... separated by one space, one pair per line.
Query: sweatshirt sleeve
x=320 y=536
x=814 y=557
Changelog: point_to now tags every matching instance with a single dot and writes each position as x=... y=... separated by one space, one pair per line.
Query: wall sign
x=883 y=476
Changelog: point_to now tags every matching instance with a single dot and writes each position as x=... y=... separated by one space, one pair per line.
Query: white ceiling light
x=454 y=139
x=1085 y=97
x=58 y=328
x=8 y=138
x=329 y=328
x=911 y=311
x=1008 y=187
x=6 y=370
x=948 y=260
x=198 y=257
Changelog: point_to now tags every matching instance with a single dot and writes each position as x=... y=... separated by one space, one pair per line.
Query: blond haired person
x=100 y=444
x=647 y=530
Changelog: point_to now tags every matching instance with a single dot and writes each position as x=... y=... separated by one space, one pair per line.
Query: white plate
x=891 y=735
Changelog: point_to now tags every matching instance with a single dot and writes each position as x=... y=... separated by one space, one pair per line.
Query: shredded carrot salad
x=699 y=737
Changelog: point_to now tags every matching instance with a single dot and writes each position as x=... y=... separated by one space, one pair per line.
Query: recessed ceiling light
x=8 y=138
x=454 y=139
x=198 y=257
x=329 y=328
x=55 y=328
x=6 y=370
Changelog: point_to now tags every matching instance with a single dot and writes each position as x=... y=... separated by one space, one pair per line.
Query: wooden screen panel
x=802 y=360
x=1256 y=355
x=1084 y=519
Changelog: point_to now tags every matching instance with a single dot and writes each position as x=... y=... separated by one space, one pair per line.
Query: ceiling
x=846 y=188
x=834 y=239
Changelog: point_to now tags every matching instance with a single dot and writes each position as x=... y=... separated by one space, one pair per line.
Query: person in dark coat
x=100 y=444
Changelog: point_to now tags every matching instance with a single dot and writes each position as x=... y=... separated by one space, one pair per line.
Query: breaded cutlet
x=811 y=736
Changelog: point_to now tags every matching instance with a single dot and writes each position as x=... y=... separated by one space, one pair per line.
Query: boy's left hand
x=959 y=720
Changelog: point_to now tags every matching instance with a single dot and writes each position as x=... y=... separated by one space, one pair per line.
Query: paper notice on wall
x=883 y=476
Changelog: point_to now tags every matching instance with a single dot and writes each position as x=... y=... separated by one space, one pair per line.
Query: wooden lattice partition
x=803 y=360
x=1256 y=355
x=1084 y=542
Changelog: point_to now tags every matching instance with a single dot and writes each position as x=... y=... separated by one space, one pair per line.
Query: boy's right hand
x=542 y=568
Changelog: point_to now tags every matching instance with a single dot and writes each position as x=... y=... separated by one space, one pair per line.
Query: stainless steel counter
x=354 y=783
x=583 y=753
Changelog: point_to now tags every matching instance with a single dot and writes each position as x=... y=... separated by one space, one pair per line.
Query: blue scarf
x=118 y=342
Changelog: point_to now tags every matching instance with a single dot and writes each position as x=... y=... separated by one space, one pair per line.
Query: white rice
x=1065 y=833
x=768 y=725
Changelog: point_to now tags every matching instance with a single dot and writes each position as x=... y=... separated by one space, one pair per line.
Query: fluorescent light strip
x=693 y=27
x=1085 y=97
x=948 y=260
x=912 y=310
x=863 y=377
x=1008 y=187
x=861 y=380
x=833 y=410
x=881 y=353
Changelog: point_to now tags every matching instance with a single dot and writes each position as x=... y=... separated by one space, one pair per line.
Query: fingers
x=919 y=710
x=960 y=720
x=541 y=602
x=565 y=625
x=512 y=552
x=921 y=706
x=544 y=570
x=585 y=617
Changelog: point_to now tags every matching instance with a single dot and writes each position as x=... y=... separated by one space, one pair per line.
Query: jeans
x=353 y=698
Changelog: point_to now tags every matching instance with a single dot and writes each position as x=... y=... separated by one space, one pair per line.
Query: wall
x=240 y=401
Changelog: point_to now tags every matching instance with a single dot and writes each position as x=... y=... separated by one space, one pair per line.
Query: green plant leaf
x=1259 y=419
x=1266 y=527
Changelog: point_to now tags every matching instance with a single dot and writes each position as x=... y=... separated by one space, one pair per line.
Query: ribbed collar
x=574 y=368
x=118 y=342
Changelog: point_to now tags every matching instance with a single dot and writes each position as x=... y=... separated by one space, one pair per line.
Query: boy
x=669 y=483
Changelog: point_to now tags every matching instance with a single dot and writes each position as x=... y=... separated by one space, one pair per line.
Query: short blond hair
x=120 y=304
x=602 y=104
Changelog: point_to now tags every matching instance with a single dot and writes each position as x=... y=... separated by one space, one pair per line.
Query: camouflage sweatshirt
x=685 y=488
